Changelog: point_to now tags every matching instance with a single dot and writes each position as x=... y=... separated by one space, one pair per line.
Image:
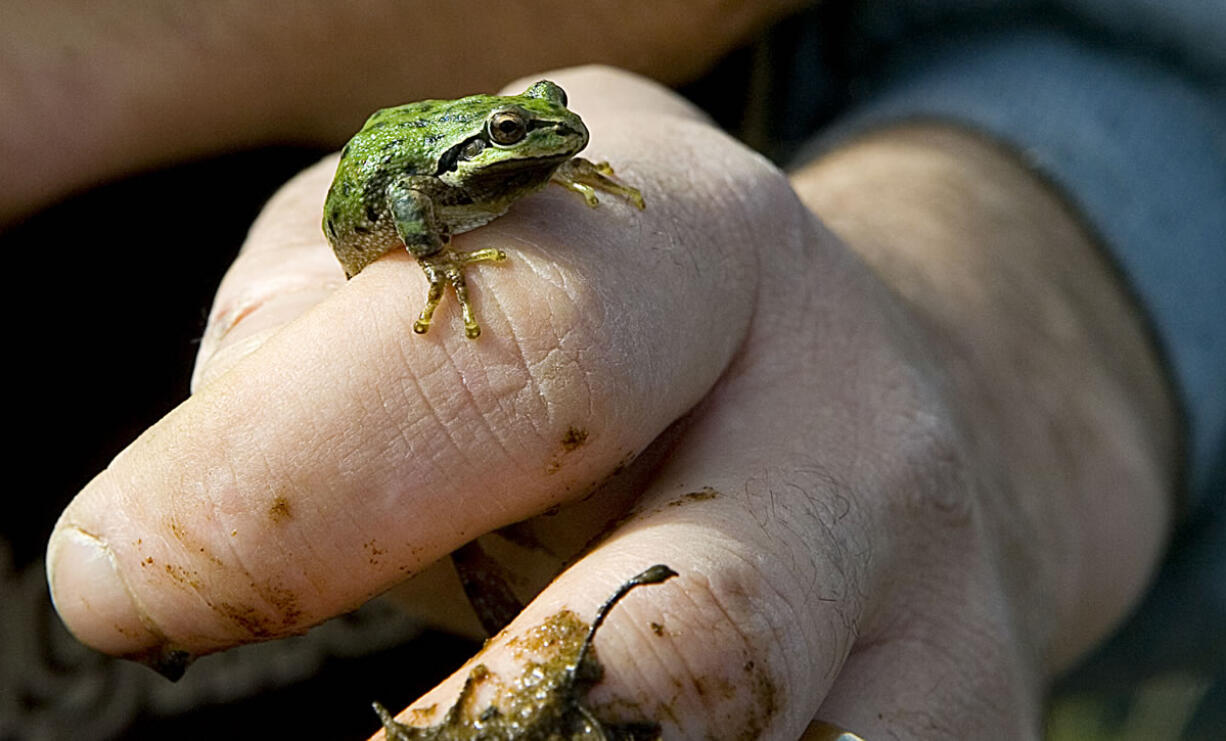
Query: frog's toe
x=433 y=296
x=487 y=255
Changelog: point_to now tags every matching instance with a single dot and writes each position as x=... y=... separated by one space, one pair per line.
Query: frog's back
x=393 y=142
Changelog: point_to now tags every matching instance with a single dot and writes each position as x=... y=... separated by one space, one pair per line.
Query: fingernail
x=821 y=731
x=169 y=662
x=93 y=600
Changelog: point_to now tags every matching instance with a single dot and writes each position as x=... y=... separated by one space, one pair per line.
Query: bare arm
x=89 y=91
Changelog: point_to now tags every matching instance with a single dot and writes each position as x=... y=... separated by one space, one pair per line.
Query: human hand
x=842 y=533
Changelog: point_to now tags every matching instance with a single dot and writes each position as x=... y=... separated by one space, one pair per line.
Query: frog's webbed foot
x=585 y=178
x=448 y=267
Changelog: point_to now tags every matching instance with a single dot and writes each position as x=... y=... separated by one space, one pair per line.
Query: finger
x=706 y=654
x=789 y=511
x=285 y=267
x=346 y=452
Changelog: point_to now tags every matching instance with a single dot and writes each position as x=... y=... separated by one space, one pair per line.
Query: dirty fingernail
x=94 y=602
x=165 y=660
x=821 y=731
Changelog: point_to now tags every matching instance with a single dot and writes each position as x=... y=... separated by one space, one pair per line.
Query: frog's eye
x=507 y=127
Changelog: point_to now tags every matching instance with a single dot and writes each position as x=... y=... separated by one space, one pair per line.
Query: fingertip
x=92 y=598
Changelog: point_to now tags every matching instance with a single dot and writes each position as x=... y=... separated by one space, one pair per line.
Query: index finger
x=285 y=267
x=346 y=452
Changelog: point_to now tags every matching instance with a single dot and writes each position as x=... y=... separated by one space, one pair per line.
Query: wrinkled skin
x=870 y=499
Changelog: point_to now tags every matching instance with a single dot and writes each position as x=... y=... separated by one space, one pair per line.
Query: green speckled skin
x=416 y=174
x=546 y=702
x=424 y=143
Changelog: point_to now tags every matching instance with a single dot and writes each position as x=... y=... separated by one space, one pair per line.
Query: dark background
x=105 y=312
x=104 y=319
x=106 y=303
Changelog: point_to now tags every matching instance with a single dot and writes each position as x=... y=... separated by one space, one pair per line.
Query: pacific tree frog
x=417 y=174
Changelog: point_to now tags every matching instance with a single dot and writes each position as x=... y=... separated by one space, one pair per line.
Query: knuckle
x=728 y=674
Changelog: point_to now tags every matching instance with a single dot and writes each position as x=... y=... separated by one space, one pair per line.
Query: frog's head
x=522 y=130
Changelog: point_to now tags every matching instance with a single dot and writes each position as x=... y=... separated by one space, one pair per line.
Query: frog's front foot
x=585 y=178
x=448 y=267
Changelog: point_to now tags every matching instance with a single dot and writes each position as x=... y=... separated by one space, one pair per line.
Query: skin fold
x=916 y=432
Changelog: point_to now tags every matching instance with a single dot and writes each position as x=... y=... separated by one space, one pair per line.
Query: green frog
x=418 y=174
x=546 y=702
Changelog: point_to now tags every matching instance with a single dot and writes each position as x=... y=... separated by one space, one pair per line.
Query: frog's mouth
x=511 y=177
x=472 y=147
x=521 y=163
x=451 y=163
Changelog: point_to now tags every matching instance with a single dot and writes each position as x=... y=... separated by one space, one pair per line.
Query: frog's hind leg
x=586 y=177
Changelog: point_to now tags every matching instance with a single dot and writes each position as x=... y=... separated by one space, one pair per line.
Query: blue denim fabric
x=1119 y=103
x=1138 y=149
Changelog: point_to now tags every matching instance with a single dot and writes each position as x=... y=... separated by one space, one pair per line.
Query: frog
x=547 y=701
x=416 y=175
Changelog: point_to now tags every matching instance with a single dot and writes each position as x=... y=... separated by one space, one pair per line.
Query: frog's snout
x=573 y=132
